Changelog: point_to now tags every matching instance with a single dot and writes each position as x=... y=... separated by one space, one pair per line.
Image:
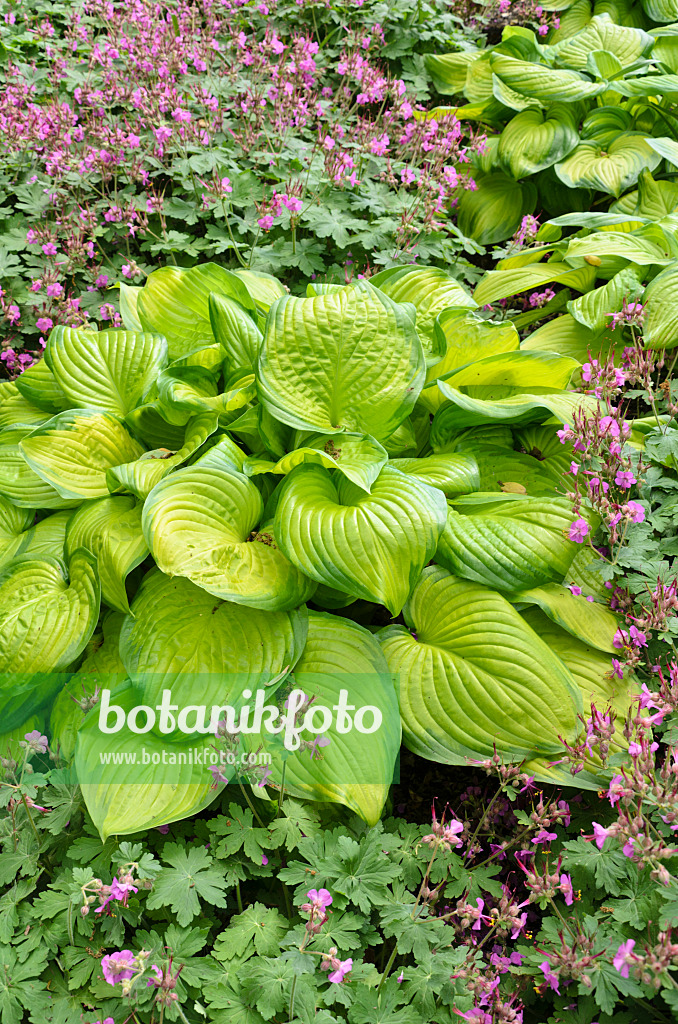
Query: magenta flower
x=118 y=966
x=636 y=512
x=621 y=961
x=579 y=530
x=342 y=970
x=625 y=479
x=266 y=223
x=549 y=976
x=566 y=889
x=49 y=249
x=44 y=323
x=545 y=837
x=600 y=834
x=34 y=741
x=320 y=898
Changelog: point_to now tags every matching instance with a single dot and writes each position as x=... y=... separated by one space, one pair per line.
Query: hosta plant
x=359 y=490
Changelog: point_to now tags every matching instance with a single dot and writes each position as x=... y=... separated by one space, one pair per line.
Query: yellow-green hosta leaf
x=612 y=167
x=589 y=621
x=19 y=482
x=122 y=797
x=111 y=370
x=263 y=288
x=429 y=289
x=472 y=674
x=201 y=523
x=236 y=331
x=602 y=244
x=465 y=337
x=149 y=423
x=652 y=199
x=17 y=411
x=449 y=70
x=48 y=536
x=511 y=542
x=660 y=328
x=661 y=10
x=74 y=450
x=371 y=546
x=140 y=477
x=186 y=390
x=175 y=302
x=451 y=473
x=594 y=308
x=129 y=297
x=500 y=284
x=350 y=360
x=47 y=615
x=355 y=768
x=568 y=336
x=463 y=411
x=14 y=524
x=358 y=456
x=543 y=83
x=206 y=651
x=502 y=469
x=38 y=385
x=667 y=148
x=627 y=44
x=111 y=529
x=494 y=210
x=535 y=139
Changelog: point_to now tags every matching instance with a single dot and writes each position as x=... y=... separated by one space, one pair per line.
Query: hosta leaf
x=263 y=288
x=652 y=199
x=611 y=167
x=175 y=302
x=47 y=615
x=150 y=425
x=502 y=469
x=187 y=390
x=603 y=244
x=667 y=148
x=452 y=474
x=129 y=296
x=535 y=139
x=38 y=385
x=661 y=10
x=373 y=545
x=464 y=411
x=204 y=650
x=17 y=411
x=47 y=537
x=465 y=337
x=358 y=456
x=543 y=83
x=568 y=336
x=473 y=674
x=140 y=477
x=594 y=308
x=601 y=33
x=124 y=798
x=494 y=210
x=429 y=289
x=111 y=529
x=200 y=523
x=350 y=360
x=660 y=328
x=354 y=768
x=235 y=330
x=591 y=622
x=511 y=543
x=14 y=522
x=73 y=451
x=449 y=70
x=649 y=85
x=500 y=284
x=19 y=482
x=111 y=370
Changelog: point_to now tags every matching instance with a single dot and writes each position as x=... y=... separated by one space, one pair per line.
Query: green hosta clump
x=360 y=489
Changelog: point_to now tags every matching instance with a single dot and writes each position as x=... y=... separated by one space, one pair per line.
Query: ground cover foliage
x=282 y=283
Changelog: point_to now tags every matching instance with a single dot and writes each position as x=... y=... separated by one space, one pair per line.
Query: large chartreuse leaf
x=349 y=360
x=463 y=411
x=47 y=615
x=74 y=450
x=511 y=542
x=601 y=244
x=472 y=674
x=38 y=386
x=206 y=651
x=627 y=44
x=449 y=70
x=594 y=309
x=19 y=482
x=500 y=284
x=129 y=297
x=201 y=523
x=354 y=768
x=358 y=456
x=660 y=328
x=652 y=199
x=661 y=10
x=464 y=336
x=14 y=522
x=186 y=390
x=111 y=370
x=17 y=411
x=371 y=546
x=535 y=139
x=512 y=472
x=125 y=796
x=140 y=477
x=451 y=473
x=609 y=167
x=111 y=529
x=175 y=302
x=264 y=289
x=591 y=622
x=568 y=336
x=235 y=330
x=429 y=289
x=493 y=211
x=544 y=84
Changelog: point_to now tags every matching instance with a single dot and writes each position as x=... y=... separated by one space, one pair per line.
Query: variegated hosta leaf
x=16 y=411
x=652 y=199
x=201 y=523
x=48 y=536
x=594 y=308
x=536 y=139
x=264 y=289
x=571 y=338
x=74 y=450
x=612 y=167
x=14 y=524
x=589 y=621
x=472 y=674
x=543 y=83
x=206 y=651
x=449 y=70
x=660 y=327
x=354 y=768
x=38 y=386
x=627 y=44
x=111 y=370
x=464 y=337
x=149 y=423
x=187 y=390
x=358 y=456
x=500 y=284
x=429 y=289
x=453 y=474
x=111 y=529
x=464 y=411
x=236 y=331
x=47 y=615
x=175 y=302
x=604 y=244
x=494 y=210
x=512 y=472
x=124 y=798
x=372 y=546
x=349 y=360
x=19 y=482
x=510 y=543
x=140 y=477
x=129 y=297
